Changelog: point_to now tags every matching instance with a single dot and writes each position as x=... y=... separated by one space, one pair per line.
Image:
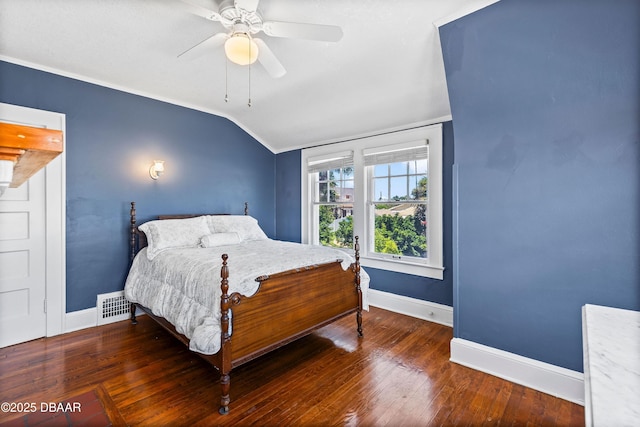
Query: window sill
x=433 y=272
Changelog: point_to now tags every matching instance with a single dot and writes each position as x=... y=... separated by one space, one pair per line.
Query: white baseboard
x=426 y=310
x=554 y=380
x=81 y=319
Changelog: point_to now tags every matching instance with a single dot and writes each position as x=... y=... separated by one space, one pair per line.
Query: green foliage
x=344 y=234
x=420 y=218
x=401 y=231
x=384 y=245
x=393 y=234
x=327 y=236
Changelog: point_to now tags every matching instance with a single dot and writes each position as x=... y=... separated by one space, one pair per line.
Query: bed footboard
x=287 y=306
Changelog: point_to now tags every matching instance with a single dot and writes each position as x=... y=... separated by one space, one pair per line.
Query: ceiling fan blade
x=204 y=46
x=201 y=11
x=269 y=60
x=248 y=5
x=327 y=33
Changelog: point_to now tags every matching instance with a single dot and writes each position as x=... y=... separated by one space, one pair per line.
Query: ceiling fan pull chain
x=226 y=80
x=249 y=103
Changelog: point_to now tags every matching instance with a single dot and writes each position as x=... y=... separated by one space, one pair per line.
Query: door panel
x=22 y=262
x=22 y=265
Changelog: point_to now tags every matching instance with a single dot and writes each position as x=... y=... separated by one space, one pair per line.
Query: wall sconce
x=156 y=169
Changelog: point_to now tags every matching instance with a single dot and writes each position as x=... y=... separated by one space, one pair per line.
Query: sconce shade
x=156 y=169
x=6 y=174
x=241 y=49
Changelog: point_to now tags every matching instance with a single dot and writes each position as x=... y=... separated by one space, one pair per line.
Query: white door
x=22 y=263
x=23 y=245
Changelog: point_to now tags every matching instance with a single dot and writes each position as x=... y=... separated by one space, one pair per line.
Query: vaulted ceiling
x=386 y=72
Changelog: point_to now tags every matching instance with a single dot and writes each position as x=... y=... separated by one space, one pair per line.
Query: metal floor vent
x=112 y=307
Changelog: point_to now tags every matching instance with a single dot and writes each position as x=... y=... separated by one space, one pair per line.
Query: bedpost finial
x=224 y=273
x=133 y=241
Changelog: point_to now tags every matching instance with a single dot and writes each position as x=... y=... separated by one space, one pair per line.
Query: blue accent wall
x=545 y=99
x=112 y=137
x=288 y=208
x=438 y=291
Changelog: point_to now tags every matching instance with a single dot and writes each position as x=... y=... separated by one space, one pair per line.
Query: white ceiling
x=385 y=74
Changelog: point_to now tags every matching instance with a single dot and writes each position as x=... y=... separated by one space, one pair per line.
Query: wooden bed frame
x=287 y=306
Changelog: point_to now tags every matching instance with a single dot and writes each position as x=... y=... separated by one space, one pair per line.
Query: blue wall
x=111 y=139
x=439 y=291
x=288 y=208
x=545 y=98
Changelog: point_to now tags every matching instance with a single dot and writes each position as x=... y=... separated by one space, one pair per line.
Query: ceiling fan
x=242 y=20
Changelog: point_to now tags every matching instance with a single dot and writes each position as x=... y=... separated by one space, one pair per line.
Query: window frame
x=432 y=266
x=316 y=204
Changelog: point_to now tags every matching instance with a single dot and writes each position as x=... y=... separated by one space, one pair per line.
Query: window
x=397 y=201
x=385 y=189
x=332 y=205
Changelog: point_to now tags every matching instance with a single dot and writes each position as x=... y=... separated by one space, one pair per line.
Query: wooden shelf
x=29 y=148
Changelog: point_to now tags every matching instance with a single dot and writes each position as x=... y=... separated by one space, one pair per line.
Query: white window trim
x=433 y=133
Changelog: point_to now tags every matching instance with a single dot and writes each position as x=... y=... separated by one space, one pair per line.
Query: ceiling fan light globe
x=241 y=49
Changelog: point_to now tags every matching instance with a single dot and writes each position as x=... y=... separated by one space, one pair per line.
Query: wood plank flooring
x=399 y=374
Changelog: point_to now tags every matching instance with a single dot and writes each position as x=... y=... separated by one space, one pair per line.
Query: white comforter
x=183 y=285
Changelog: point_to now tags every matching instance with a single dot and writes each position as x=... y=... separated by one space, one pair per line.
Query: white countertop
x=611 y=343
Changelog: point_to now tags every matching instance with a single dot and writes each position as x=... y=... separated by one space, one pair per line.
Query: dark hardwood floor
x=399 y=374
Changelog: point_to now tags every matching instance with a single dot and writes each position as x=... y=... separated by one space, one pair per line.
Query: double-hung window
x=397 y=201
x=332 y=199
x=385 y=189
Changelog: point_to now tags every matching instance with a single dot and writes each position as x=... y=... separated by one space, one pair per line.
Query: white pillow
x=219 y=239
x=246 y=226
x=173 y=233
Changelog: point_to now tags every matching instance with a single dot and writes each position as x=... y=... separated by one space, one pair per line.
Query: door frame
x=55 y=214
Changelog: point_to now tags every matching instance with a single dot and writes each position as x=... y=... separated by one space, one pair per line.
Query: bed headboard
x=138 y=240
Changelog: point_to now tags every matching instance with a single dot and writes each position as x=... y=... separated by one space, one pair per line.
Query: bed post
x=225 y=348
x=132 y=252
x=132 y=232
x=246 y=208
x=358 y=289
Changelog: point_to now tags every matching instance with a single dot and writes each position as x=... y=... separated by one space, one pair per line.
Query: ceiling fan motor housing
x=233 y=16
